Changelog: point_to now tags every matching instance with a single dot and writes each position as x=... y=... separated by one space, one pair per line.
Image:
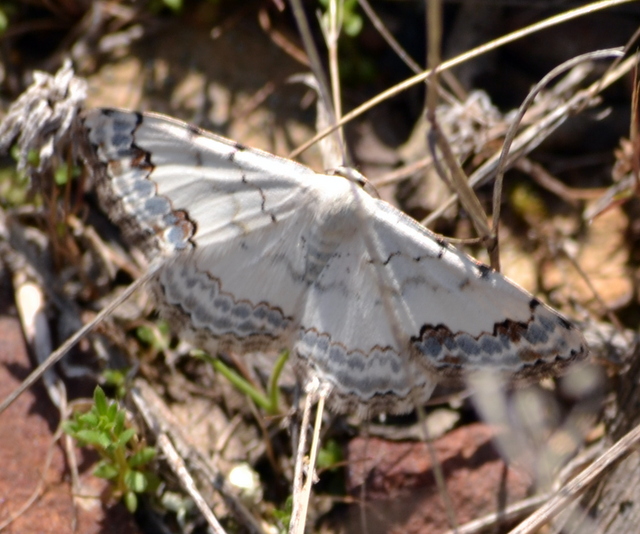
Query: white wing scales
x=454 y=316
x=262 y=253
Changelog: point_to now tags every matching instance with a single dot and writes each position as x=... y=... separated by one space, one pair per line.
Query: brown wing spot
x=115 y=167
x=141 y=160
x=529 y=356
x=513 y=330
x=453 y=360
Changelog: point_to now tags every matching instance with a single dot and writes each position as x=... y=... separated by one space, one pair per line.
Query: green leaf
x=33 y=157
x=242 y=385
x=351 y=20
x=175 y=5
x=114 y=377
x=157 y=338
x=131 y=501
x=4 y=21
x=352 y=25
x=135 y=481
x=100 y=400
x=329 y=455
x=142 y=457
x=94 y=437
x=153 y=482
x=70 y=427
x=284 y=514
x=273 y=382
x=61 y=174
x=89 y=419
x=124 y=438
x=146 y=335
x=112 y=411
x=106 y=470
x=118 y=426
x=13 y=190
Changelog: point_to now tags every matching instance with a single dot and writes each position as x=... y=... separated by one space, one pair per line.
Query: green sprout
x=116 y=379
x=283 y=515
x=269 y=402
x=157 y=336
x=123 y=454
x=330 y=455
x=351 y=20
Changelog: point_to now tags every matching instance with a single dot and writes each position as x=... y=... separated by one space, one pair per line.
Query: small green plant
x=4 y=21
x=7 y=10
x=330 y=455
x=156 y=6
x=271 y=400
x=116 y=379
x=351 y=20
x=283 y=515
x=63 y=173
x=13 y=188
x=123 y=455
x=157 y=336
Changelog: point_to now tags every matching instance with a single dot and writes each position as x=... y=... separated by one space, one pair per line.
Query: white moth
x=262 y=253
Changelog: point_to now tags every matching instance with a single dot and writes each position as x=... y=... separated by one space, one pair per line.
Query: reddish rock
x=400 y=490
x=26 y=432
